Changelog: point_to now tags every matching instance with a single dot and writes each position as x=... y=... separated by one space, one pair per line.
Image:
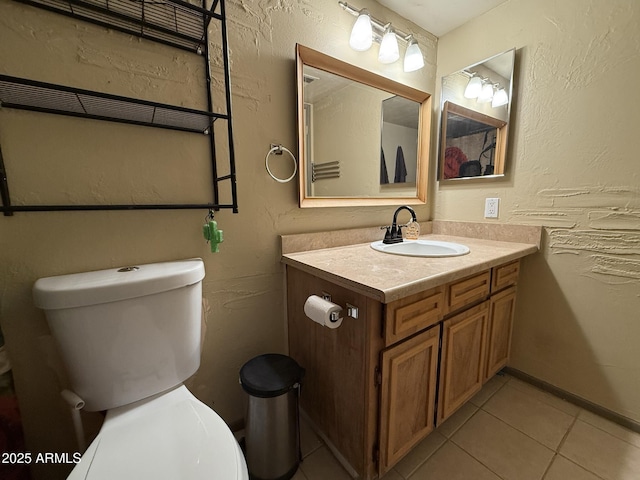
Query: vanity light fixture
x=362 y=33
x=500 y=98
x=484 y=90
x=368 y=29
x=474 y=87
x=389 y=52
x=413 y=59
x=486 y=95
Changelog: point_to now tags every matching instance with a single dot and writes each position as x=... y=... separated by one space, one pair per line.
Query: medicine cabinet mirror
x=475 y=106
x=363 y=139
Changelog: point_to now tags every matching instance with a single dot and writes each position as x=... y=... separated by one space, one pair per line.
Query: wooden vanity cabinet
x=371 y=385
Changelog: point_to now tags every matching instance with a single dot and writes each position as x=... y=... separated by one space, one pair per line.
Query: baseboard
x=575 y=399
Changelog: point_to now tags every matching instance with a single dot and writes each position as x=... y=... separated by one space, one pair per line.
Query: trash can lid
x=270 y=375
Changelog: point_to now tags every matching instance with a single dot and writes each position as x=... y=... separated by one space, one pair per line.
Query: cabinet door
x=462 y=361
x=499 y=330
x=409 y=372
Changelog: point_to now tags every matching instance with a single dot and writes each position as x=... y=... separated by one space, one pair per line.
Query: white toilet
x=129 y=337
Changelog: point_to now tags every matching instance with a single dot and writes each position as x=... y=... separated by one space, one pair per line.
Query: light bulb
x=413 y=59
x=474 y=87
x=500 y=98
x=389 y=52
x=486 y=94
x=362 y=33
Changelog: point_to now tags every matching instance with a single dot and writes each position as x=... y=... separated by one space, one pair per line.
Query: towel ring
x=277 y=149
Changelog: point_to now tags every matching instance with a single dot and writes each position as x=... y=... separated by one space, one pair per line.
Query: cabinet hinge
x=377 y=374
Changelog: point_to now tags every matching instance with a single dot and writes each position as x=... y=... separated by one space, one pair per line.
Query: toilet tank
x=126 y=333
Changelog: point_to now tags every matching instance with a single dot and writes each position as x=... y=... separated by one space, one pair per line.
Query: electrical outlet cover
x=491 y=207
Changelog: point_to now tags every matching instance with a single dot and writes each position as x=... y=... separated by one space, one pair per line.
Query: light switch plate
x=491 y=207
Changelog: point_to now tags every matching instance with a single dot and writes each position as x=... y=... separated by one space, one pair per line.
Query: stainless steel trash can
x=272 y=430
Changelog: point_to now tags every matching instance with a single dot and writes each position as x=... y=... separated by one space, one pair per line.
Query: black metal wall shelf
x=27 y=94
x=176 y=23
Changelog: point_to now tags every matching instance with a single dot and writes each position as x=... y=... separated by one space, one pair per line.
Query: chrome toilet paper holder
x=352 y=310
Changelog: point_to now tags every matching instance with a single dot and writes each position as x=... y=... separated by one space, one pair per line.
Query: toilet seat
x=169 y=436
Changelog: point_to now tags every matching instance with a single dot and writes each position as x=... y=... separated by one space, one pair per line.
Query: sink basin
x=422 y=248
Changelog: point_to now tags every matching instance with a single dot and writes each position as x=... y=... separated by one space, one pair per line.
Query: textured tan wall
x=572 y=167
x=244 y=283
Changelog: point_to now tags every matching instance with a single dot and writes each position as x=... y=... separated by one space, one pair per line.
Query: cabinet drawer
x=467 y=291
x=505 y=275
x=411 y=314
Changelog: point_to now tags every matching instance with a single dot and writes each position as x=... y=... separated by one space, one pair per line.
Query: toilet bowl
x=169 y=436
x=129 y=337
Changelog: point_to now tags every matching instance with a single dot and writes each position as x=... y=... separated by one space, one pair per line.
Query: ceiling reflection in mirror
x=474 y=125
x=359 y=135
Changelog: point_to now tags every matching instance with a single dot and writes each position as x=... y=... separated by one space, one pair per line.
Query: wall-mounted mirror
x=363 y=139
x=475 y=106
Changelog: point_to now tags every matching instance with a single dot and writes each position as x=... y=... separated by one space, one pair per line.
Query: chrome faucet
x=394 y=231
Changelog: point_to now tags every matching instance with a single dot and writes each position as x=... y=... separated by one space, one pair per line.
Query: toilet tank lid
x=103 y=286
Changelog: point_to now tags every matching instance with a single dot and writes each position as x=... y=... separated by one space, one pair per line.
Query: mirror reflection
x=399 y=141
x=472 y=142
x=359 y=135
x=476 y=103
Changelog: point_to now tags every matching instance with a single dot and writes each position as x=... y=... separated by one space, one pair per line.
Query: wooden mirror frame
x=313 y=58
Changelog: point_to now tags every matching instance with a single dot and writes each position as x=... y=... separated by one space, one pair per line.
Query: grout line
x=300 y=472
x=566 y=434
x=517 y=430
x=546 y=471
x=520 y=431
x=311 y=452
x=556 y=449
x=448 y=439
x=469 y=453
x=479 y=461
x=463 y=423
x=582 y=467
x=425 y=460
x=489 y=397
x=597 y=427
x=547 y=405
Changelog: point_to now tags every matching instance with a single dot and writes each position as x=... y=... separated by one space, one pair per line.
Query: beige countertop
x=385 y=277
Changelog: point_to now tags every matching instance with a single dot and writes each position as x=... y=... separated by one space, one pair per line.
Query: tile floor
x=511 y=431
